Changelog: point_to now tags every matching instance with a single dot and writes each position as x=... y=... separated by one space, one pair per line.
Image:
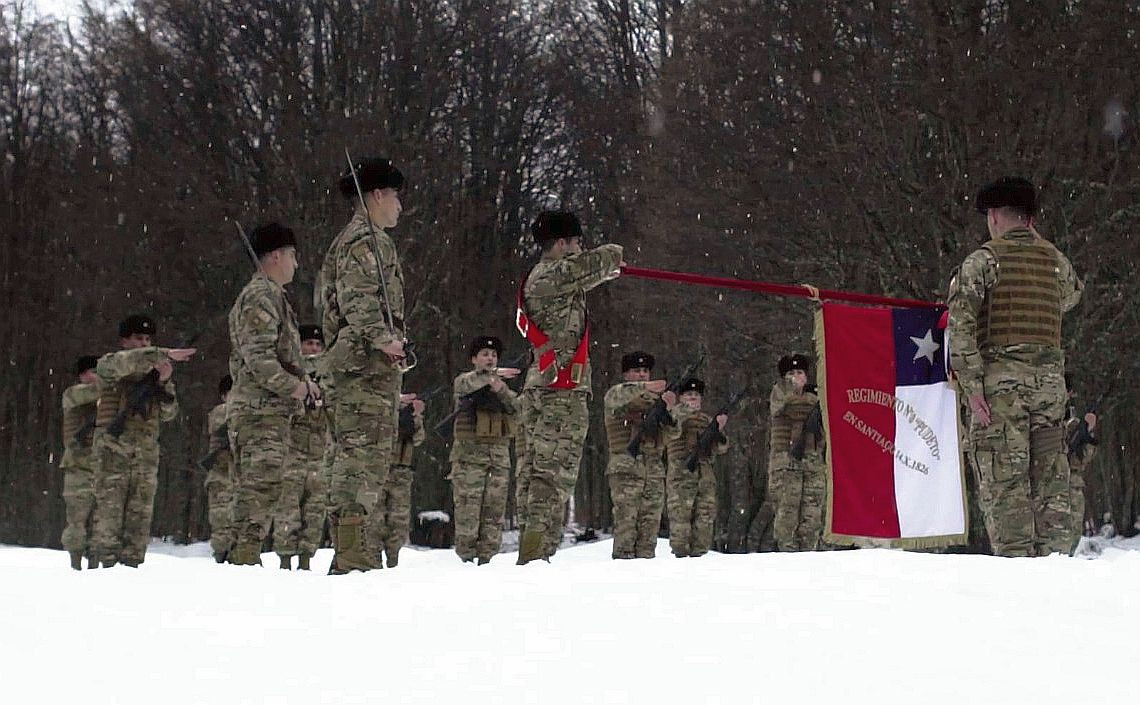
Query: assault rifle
x=142 y=396
x=223 y=437
x=407 y=424
x=481 y=398
x=813 y=425
x=1081 y=437
x=712 y=434
x=658 y=414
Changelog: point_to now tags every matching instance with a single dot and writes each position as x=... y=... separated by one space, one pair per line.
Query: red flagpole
x=800 y=290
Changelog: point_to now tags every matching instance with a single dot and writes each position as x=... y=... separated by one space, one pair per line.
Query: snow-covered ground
x=867 y=626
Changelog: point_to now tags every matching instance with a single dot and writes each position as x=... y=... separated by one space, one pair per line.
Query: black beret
x=136 y=323
x=311 y=331
x=225 y=385
x=553 y=225
x=1009 y=192
x=269 y=237
x=637 y=358
x=86 y=362
x=793 y=362
x=482 y=342
x=692 y=384
x=372 y=173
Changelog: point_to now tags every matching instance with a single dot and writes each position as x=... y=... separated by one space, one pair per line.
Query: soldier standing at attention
x=551 y=315
x=481 y=451
x=692 y=494
x=300 y=515
x=1005 y=328
x=269 y=384
x=637 y=485
x=799 y=485
x=135 y=391
x=220 y=476
x=78 y=462
x=362 y=299
x=394 y=510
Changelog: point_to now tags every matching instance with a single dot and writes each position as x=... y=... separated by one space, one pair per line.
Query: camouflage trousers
x=692 y=508
x=800 y=491
x=79 y=504
x=522 y=461
x=125 y=483
x=637 y=491
x=479 y=478
x=365 y=410
x=1022 y=472
x=392 y=515
x=556 y=426
x=219 y=498
x=299 y=518
x=261 y=450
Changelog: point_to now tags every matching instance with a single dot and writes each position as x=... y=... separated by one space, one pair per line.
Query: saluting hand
x=417 y=407
x=670 y=399
x=1090 y=421
x=180 y=354
x=722 y=421
x=407 y=398
x=981 y=409
x=656 y=385
x=508 y=372
x=165 y=369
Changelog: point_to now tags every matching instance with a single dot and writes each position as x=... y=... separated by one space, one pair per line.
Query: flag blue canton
x=919 y=346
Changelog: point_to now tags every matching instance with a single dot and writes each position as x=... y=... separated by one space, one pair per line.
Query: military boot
x=286 y=562
x=303 y=561
x=531 y=547
x=349 y=551
x=76 y=560
x=393 y=558
x=244 y=554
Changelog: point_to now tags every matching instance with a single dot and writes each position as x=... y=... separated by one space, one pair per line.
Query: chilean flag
x=892 y=426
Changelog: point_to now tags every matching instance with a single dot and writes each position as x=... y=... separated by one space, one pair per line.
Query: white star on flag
x=926 y=347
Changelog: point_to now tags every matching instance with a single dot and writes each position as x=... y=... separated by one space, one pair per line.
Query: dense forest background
x=836 y=143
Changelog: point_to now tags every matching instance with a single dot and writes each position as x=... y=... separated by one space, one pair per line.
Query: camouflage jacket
x=555 y=300
x=351 y=302
x=686 y=418
x=119 y=371
x=968 y=289
x=75 y=398
x=265 y=351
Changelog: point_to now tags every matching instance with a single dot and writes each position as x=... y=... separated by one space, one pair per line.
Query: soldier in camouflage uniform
x=637 y=485
x=78 y=462
x=1005 y=332
x=220 y=476
x=126 y=440
x=362 y=298
x=269 y=384
x=394 y=510
x=1080 y=446
x=552 y=316
x=798 y=485
x=299 y=518
x=481 y=450
x=692 y=494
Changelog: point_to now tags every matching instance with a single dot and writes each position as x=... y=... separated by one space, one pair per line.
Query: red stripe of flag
x=859 y=352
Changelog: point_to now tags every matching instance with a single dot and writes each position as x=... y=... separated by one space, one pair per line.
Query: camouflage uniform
x=127 y=475
x=557 y=419
x=522 y=480
x=265 y=363
x=637 y=485
x=299 y=518
x=480 y=468
x=365 y=394
x=691 y=495
x=220 y=486
x=393 y=513
x=799 y=487
x=78 y=465
x=1006 y=346
x=1079 y=486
